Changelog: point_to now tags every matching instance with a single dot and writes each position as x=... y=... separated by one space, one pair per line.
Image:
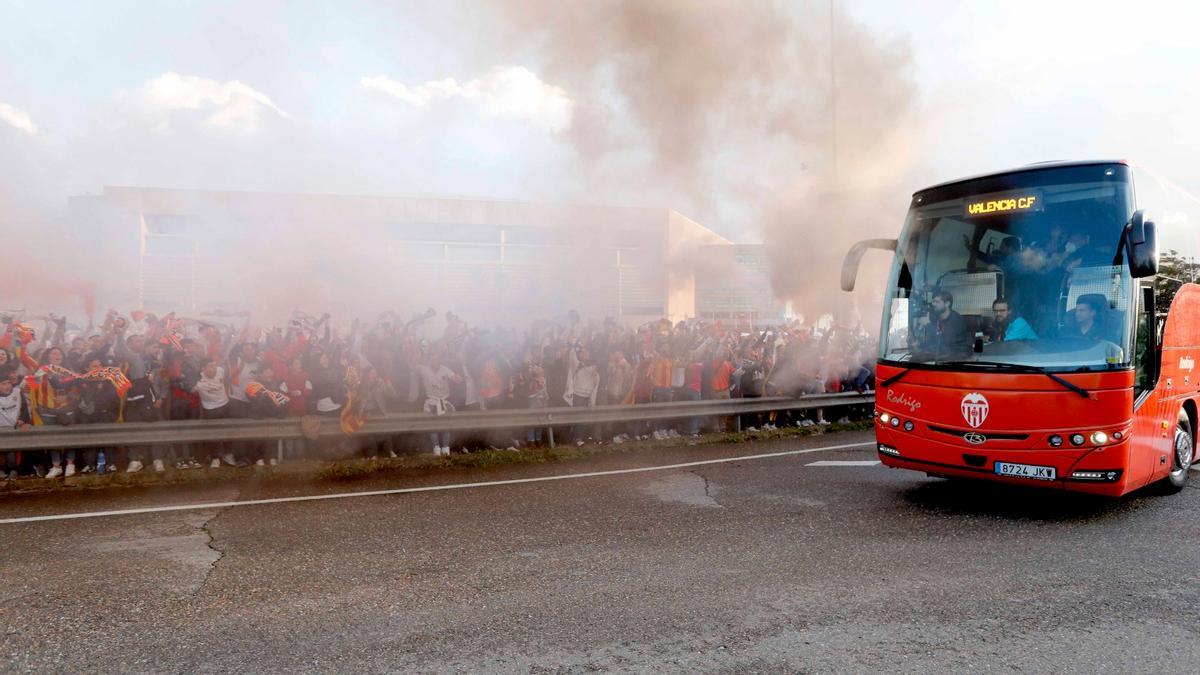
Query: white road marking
x=839 y=462
x=428 y=488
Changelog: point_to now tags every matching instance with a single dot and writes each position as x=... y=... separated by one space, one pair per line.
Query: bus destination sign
x=989 y=205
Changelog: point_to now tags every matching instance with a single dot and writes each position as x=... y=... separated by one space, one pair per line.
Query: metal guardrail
x=200 y=431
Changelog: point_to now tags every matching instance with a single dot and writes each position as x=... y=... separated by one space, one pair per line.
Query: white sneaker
x=260 y=463
x=54 y=472
x=134 y=467
x=275 y=461
x=158 y=466
x=437 y=451
x=228 y=459
x=70 y=470
x=752 y=430
x=391 y=453
x=215 y=464
x=579 y=444
x=512 y=449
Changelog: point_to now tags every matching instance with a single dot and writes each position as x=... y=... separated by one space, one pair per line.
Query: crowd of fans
x=144 y=368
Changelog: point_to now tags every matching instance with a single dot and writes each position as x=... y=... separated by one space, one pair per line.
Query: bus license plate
x=1025 y=471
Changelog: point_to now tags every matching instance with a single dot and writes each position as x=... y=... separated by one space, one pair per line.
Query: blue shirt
x=1019 y=329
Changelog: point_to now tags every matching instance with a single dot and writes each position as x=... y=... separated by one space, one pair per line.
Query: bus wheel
x=1184 y=449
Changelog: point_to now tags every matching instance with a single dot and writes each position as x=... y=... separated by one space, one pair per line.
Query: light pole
x=833 y=121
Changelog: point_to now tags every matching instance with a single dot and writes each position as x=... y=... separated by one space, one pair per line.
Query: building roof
x=382 y=208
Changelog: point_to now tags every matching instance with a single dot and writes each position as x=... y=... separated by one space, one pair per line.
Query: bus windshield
x=1023 y=269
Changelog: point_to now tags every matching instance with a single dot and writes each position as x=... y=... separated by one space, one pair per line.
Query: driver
x=1009 y=325
x=944 y=332
x=1089 y=318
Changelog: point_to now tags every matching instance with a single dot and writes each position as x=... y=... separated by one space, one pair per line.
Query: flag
x=352 y=418
x=24 y=333
x=171 y=336
x=41 y=391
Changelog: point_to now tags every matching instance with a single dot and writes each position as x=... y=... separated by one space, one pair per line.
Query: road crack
x=206 y=529
x=707 y=489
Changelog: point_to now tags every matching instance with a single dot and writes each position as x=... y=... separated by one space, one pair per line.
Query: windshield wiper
x=1020 y=368
x=895 y=378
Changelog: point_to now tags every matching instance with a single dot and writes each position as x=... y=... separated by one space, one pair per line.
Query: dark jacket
x=947 y=338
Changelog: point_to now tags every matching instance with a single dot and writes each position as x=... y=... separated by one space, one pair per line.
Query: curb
x=359 y=468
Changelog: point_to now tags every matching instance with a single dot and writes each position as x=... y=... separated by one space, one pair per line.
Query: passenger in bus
x=1008 y=324
x=1090 y=319
x=944 y=332
x=1079 y=251
x=1004 y=259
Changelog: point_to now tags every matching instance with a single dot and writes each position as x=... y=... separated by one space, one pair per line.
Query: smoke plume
x=764 y=118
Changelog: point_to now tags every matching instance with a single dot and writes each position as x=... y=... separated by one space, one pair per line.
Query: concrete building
x=736 y=288
x=201 y=251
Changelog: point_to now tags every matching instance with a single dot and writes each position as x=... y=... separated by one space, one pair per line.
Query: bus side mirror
x=1141 y=246
x=854 y=257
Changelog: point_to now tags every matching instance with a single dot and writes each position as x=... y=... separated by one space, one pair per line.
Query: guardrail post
x=279 y=451
x=550 y=435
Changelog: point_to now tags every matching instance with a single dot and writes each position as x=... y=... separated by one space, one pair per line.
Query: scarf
x=111 y=375
x=255 y=389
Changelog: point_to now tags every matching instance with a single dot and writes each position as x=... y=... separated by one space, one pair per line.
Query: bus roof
x=1036 y=166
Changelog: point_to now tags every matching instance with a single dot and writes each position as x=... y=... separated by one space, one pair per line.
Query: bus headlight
x=1099 y=438
x=895 y=421
x=1056 y=441
x=1077 y=439
x=1101 y=476
x=889 y=450
x=908 y=426
x=884 y=417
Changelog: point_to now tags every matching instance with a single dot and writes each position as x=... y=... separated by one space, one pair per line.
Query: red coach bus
x=1034 y=334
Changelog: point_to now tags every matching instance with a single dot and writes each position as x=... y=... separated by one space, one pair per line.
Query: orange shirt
x=720 y=376
x=660 y=372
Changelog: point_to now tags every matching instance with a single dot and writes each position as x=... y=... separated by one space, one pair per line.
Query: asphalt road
x=749 y=566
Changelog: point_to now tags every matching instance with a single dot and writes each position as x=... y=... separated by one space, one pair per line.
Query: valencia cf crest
x=974 y=409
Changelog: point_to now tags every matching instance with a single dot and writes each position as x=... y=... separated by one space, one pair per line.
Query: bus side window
x=1147 y=352
x=1142 y=377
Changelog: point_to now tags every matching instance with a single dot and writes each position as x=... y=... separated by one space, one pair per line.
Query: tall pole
x=833 y=121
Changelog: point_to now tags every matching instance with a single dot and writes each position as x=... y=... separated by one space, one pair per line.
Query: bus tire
x=1183 y=452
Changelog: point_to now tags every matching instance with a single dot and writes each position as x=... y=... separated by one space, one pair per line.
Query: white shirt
x=212 y=391
x=436 y=383
x=586 y=382
x=10 y=409
x=244 y=374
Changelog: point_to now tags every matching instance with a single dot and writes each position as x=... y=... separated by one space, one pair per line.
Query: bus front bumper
x=1092 y=470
